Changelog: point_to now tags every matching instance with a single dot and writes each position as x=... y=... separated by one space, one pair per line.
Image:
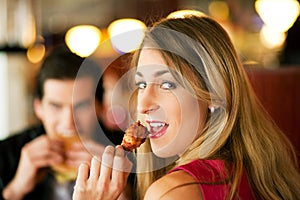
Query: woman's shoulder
x=174 y=186
x=205 y=170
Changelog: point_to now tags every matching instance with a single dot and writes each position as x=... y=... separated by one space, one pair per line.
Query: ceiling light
x=279 y=15
x=83 y=39
x=126 y=34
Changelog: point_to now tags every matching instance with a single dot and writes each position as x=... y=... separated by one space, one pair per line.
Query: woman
x=195 y=97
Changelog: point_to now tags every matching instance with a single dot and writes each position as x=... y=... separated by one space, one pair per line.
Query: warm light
x=36 y=53
x=271 y=38
x=18 y=23
x=4 y=100
x=219 y=10
x=83 y=40
x=279 y=15
x=126 y=34
x=185 y=13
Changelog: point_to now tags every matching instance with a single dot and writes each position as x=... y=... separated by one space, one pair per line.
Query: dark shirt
x=10 y=152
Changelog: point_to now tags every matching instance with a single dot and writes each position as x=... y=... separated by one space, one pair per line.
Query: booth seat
x=279 y=91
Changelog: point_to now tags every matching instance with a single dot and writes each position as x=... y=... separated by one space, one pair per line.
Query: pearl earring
x=212 y=109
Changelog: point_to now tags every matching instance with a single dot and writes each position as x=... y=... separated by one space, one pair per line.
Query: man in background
x=40 y=162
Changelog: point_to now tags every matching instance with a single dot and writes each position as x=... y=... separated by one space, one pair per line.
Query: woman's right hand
x=105 y=178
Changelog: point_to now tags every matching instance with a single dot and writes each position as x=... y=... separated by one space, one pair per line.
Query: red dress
x=213 y=179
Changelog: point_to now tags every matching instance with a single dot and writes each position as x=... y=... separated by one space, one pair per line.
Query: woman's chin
x=165 y=152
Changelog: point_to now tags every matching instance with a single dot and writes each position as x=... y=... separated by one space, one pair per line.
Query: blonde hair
x=240 y=132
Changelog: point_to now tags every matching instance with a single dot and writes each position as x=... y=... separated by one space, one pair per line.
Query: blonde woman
x=209 y=137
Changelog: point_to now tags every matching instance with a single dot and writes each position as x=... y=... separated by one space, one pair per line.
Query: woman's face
x=174 y=116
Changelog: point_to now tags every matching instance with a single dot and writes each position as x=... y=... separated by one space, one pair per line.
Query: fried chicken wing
x=134 y=136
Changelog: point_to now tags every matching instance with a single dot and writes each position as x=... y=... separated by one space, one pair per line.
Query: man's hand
x=83 y=152
x=40 y=153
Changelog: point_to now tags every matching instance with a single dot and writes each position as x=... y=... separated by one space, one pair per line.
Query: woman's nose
x=147 y=100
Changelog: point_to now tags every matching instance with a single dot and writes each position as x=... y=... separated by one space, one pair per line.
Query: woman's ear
x=212 y=108
x=38 y=109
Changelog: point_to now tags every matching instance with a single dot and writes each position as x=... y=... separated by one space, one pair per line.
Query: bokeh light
x=83 y=39
x=126 y=34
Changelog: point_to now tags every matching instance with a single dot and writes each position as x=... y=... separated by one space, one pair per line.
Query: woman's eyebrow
x=156 y=74
x=159 y=73
x=139 y=74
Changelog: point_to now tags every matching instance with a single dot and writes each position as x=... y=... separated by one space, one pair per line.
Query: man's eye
x=141 y=85
x=83 y=105
x=55 y=106
x=168 y=85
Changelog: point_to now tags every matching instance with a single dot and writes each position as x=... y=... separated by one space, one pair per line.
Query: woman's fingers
x=104 y=179
x=80 y=188
x=107 y=163
x=82 y=177
x=119 y=175
x=95 y=169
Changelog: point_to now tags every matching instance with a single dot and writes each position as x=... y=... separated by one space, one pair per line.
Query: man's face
x=63 y=111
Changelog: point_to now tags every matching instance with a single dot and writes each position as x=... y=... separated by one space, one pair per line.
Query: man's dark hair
x=62 y=64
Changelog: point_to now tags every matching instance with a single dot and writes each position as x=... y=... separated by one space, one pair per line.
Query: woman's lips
x=157 y=128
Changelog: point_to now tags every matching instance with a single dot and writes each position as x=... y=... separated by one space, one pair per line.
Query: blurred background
x=264 y=32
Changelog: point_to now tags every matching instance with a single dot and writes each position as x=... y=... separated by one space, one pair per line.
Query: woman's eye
x=141 y=85
x=168 y=85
